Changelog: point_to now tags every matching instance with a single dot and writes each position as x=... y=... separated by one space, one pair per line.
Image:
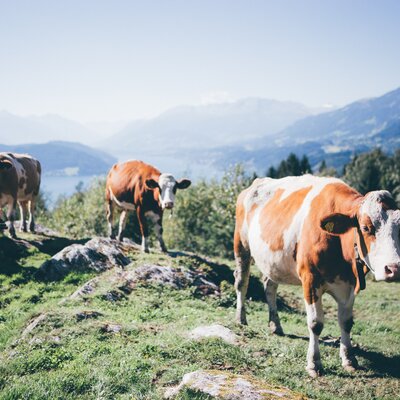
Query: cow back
x=278 y=222
x=22 y=181
x=126 y=184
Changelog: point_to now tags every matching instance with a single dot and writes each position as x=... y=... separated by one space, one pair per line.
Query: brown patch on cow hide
x=311 y=280
x=277 y=215
x=32 y=178
x=127 y=183
x=328 y=256
x=240 y=214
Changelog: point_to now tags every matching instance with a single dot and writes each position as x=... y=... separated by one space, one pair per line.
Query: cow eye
x=368 y=229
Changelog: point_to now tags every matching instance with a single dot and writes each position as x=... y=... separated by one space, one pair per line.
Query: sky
x=96 y=60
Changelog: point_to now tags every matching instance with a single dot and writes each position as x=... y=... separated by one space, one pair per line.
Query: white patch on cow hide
x=122 y=204
x=280 y=265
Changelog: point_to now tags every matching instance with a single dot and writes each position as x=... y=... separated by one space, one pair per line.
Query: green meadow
x=68 y=357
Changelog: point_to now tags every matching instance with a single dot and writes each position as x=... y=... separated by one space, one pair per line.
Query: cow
x=20 y=176
x=319 y=233
x=135 y=185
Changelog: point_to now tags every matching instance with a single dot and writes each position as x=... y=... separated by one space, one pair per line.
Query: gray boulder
x=176 y=278
x=214 y=331
x=98 y=254
x=227 y=386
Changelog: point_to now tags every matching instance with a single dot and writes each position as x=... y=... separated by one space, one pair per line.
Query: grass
x=67 y=358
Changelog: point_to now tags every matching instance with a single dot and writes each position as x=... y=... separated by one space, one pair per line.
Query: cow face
x=377 y=223
x=168 y=186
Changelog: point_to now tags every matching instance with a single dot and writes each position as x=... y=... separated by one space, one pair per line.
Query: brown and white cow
x=319 y=233
x=135 y=185
x=19 y=182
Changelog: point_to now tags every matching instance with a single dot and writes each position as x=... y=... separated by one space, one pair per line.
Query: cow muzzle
x=168 y=206
x=392 y=272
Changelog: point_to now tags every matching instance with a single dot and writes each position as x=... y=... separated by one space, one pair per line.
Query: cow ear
x=5 y=164
x=337 y=224
x=183 y=184
x=151 y=183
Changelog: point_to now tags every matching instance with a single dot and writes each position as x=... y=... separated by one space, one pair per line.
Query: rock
x=111 y=328
x=114 y=296
x=33 y=324
x=86 y=289
x=176 y=278
x=83 y=315
x=215 y=330
x=98 y=254
x=221 y=385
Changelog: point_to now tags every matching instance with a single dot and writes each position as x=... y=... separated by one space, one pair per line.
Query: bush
x=204 y=215
x=81 y=215
x=374 y=171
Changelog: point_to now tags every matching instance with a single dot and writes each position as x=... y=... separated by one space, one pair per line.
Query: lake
x=55 y=186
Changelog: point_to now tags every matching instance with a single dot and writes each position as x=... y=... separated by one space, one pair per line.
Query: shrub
x=81 y=215
x=204 y=215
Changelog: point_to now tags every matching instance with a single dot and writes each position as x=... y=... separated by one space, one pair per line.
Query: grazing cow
x=19 y=182
x=134 y=185
x=321 y=234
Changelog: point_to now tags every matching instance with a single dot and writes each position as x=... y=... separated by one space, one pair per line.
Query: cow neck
x=362 y=265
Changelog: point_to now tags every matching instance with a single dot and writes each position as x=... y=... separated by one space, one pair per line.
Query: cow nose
x=392 y=272
x=169 y=205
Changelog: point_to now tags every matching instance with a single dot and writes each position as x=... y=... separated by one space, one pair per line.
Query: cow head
x=168 y=186
x=377 y=220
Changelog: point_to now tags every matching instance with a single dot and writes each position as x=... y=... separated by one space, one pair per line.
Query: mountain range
x=15 y=129
x=332 y=136
x=204 y=140
x=60 y=158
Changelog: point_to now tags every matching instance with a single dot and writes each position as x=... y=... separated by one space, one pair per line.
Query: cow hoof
x=276 y=329
x=349 y=368
x=145 y=250
x=315 y=373
x=350 y=365
x=241 y=319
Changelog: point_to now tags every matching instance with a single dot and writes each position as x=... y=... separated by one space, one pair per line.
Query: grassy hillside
x=137 y=344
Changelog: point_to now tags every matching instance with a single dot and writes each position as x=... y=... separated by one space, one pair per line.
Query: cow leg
x=23 y=208
x=157 y=221
x=11 y=217
x=270 y=288
x=110 y=219
x=143 y=229
x=122 y=223
x=32 y=205
x=345 y=318
x=242 y=275
x=315 y=321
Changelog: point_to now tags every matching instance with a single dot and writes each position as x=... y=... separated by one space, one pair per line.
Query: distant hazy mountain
x=66 y=158
x=205 y=126
x=334 y=136
x=41 y=129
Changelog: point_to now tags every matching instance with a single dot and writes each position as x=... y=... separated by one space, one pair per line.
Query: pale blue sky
x=112 y=60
